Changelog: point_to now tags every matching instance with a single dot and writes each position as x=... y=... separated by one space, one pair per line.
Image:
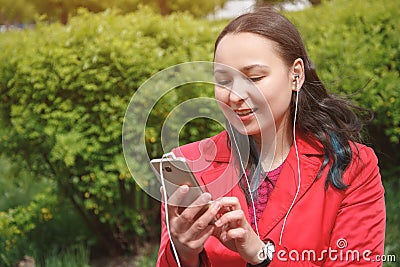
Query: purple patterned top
x=264 y=191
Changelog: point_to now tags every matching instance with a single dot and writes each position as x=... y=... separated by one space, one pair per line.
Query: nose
x=239 y=91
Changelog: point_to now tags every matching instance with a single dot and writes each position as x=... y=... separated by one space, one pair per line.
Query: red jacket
x=324 y=228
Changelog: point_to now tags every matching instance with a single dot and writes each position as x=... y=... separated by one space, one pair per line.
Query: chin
x=246 y=130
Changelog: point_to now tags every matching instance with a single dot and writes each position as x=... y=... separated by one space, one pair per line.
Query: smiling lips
x=245 y=114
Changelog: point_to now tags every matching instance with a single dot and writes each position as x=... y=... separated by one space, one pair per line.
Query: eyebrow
x=244 y=69
x=223 y=71
x=254 y=66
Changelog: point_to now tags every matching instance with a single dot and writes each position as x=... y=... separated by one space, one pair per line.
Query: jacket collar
x=217 y=148
x=310 y=153
x=284 y=193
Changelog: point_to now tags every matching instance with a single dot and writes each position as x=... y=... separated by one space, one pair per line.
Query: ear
x=298 y=75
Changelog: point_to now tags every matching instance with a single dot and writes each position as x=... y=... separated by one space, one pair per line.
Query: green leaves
x=355 y=47
x=68 y=146
x=64 y=92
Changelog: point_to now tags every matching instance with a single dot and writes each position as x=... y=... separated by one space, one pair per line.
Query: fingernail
x=216 y=206
x=218 y=223
x=224 y=238
x=184 y=188
x=206 y=197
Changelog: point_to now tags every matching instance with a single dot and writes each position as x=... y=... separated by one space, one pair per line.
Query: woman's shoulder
x=360 y=152
x=363 y=153
x=364 y=164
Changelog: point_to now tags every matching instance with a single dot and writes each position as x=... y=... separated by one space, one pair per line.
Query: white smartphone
x=176 y=172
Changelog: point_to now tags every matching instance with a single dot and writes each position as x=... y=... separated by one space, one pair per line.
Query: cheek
x=221 y=95
x=280 y=106
x=278 y=97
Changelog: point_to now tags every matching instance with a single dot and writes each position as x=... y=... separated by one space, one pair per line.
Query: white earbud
x=296 y=77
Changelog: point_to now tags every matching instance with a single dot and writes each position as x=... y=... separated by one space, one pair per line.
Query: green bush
x=355 y=47
x=64 y=92
x=34 y=219
x=17 y=223
x=16 y=185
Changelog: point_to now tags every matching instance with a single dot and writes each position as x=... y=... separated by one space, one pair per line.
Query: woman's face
x=253 y=84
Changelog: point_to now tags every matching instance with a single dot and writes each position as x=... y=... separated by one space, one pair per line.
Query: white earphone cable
x=247 y=181
x=298 y=164
x=166 y=211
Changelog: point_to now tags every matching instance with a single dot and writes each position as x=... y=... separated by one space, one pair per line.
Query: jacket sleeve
x=166 y=256
x=357 y=238
x=359 y=231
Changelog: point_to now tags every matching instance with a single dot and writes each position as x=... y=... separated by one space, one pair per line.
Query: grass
x=149 y=257
x=78 y=256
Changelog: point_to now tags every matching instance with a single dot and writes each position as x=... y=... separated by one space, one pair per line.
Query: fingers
x=187 y=217
x=176 y=198
x=199 y=214
x=196 y=242
x=200 y=228
x=233 y=219
x=231 y=224
x=238 y=234
x=231 y=215
x=232 y=203
x=191 y=230
x=199 y=204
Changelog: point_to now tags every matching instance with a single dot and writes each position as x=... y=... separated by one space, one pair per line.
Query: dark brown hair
x=322 y=116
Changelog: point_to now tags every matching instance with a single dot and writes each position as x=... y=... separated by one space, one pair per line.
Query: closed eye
x=223 y=82
x=256 y=79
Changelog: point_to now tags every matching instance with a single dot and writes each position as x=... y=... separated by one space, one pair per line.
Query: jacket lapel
x=284 y=192
x=223 y=181
x=222 y=178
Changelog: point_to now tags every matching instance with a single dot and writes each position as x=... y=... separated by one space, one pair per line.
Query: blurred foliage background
x=58 y=10
x=66 y=195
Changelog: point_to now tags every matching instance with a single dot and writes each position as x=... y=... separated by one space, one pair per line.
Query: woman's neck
x=274 y=152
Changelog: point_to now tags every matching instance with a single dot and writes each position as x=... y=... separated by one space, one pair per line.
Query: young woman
x=318 y=201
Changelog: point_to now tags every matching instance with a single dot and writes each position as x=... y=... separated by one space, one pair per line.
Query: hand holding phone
x=176 y=172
